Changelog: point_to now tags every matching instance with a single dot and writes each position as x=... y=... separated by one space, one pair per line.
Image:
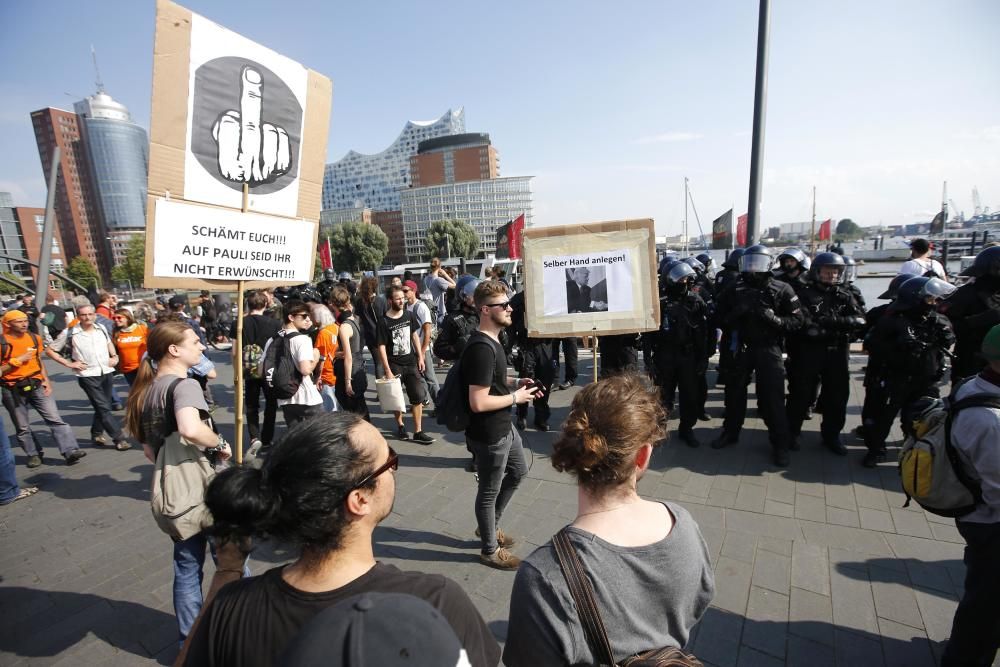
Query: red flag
x=324 y=255
x=516 y=229
x=741 y=231
x=824 y=230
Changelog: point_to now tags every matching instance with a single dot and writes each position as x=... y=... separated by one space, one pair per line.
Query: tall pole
x=685 y=215
x=813 y=234
x=759 y=111
x=238 y=353
x=45 y=253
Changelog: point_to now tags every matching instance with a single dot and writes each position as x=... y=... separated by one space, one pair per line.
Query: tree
x=355 y=246
x=462 y=240
x=82 y=271
x=848 y=228
x=133 y=269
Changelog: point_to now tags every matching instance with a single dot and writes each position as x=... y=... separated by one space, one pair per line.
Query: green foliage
x=355 y=246
x=133 y=268
x=462 y=239
x=82 y=271
x=847 y=228
x=6 y=286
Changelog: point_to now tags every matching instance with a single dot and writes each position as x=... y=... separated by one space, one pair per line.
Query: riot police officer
x=726 y=280
x=912 y=339
x=973 y=310
x=325 y=286
x=833 y=318
x=759 y=311
x=704 y=287
x=793 y=264
x=619 y=353
x=459 y=325
x=533 y=359
x=850 y=276
x=677 y=348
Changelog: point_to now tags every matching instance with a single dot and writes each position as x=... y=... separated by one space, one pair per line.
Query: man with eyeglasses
x=307 y=402
x=494 y=442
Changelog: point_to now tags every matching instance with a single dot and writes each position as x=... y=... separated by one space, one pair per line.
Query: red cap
x=410 y=285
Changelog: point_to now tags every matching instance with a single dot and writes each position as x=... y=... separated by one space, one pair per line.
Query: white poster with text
x=599 y=282
x=219 y=244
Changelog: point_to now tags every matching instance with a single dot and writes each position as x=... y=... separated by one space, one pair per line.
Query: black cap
x=177 y=300
x=379 y=630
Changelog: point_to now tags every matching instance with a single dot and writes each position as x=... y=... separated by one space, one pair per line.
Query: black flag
x=937 y=224
x=722 y=231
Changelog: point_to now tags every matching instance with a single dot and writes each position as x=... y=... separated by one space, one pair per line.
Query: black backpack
x=279 y=370
x=452 y=404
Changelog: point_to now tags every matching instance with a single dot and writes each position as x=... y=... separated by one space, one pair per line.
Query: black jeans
x=252 y=389
x=500 y=465
x=569 y=347
x=819 y=363
x=975 y=632
x=98 y=390
x=300 y=413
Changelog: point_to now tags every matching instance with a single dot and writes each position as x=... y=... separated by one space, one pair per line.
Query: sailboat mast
x=813 y=234
x=686 y=216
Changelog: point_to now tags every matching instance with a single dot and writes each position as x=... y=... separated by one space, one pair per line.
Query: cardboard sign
x=227 y=112
x=594 y=276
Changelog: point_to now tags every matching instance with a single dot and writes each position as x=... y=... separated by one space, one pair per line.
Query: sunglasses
x=305 y=316
x=391 y=464
x=502 y=305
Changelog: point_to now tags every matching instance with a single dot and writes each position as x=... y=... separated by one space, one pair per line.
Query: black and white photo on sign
x=401 y=341
x=596 y=282
x=245 y=122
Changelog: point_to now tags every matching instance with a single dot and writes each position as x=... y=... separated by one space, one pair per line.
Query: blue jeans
x=189 y=570
x=327 y=392
x=8 y=479
x=501 y=465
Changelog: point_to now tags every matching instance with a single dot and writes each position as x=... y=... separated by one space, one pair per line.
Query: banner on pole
x=722 y=231
x=741 y=231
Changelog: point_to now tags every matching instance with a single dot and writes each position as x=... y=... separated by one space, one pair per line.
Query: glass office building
x=486 y=205
x=373 y=181
x=12 y=243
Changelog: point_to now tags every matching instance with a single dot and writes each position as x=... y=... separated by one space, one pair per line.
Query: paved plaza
x=817 y=565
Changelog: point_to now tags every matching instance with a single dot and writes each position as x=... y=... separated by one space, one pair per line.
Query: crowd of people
x=785 y=321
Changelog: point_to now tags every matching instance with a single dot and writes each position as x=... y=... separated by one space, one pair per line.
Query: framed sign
x=229 y=114
x=593 y=276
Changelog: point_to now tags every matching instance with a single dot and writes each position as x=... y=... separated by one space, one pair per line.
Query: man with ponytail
x=324 y=489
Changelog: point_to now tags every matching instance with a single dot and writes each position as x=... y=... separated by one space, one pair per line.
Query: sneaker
x=704 y=417
x=501 y=559
x=503 y=539
x=34 y=461
x=117 y=407
x=470 y=466
x=541 y=426
x=254 y=449
x=836 y=446
x=688 y=438
x=73 y=457
x=566 y=385
x=99 y=440
x=422 y=437
x=872 y=459
x=123 y=445
x=402 y=434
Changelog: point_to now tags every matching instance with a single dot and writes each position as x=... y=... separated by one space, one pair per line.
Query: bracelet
x=513 y=399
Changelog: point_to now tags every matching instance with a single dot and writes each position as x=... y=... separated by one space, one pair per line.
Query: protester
x=349 y=367
x=437 y=282
x=494 y=443
x=458 y=325
x=26 y=383
x=257 y=330
x=174 y=348
x=52 y=316
x=178 y=305
x=647 y=561
x=399 y=351
x=28 y=308
x=921 y=263
x=204 y=370
x=130 y=341
x=327 y=345
x=88 y=350
x=369 y=308
x=10 y=491
x=324 y=489
x=306 y=403
x=975 y=632
x=106 y=306
x=425 y=333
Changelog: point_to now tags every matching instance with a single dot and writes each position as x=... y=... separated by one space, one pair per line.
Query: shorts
x=412 y=382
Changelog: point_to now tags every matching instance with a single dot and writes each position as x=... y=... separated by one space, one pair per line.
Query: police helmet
x=669 y=257
x=798 y=255
x=707 y=260
x=893 y=289
x=733 y=260
x=987 y=264
x=828 y=259
x=851 y=274
x=919 y=290
x=468 y=289
x=677 y=271
x=344 y=275
x=462 y=280
x=693 y=262
x=329 y=274
x=756 y=259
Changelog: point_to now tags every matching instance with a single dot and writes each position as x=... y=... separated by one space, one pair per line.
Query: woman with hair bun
x=646 y=560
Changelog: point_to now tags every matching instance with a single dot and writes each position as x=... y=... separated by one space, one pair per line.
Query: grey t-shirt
x=187 y=394
x=438 y=287
x=649 y=597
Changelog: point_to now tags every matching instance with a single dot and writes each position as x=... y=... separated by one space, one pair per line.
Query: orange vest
x=15 y=346
x=131 y=345
x=326 y=343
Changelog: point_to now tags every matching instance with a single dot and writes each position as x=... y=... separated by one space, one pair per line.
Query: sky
x=608 y=105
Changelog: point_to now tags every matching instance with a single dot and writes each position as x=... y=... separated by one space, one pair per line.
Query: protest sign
x=593 y=276
x=233 y=125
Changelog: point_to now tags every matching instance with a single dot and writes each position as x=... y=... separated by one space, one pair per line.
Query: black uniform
x=454 y=333
x=725 y=281
x=324 y=287
x=618 y=353
x=911 y=345
x=677 y=350
x=757 y=317
x=820 y=349
x=532 y=360
x=973 y=310
x=705 y=287
x=875 y=394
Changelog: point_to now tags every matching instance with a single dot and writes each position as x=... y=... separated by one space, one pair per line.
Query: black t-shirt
x=397 y=336
x=251 y=621
x=486 y=365
x=257 y=329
